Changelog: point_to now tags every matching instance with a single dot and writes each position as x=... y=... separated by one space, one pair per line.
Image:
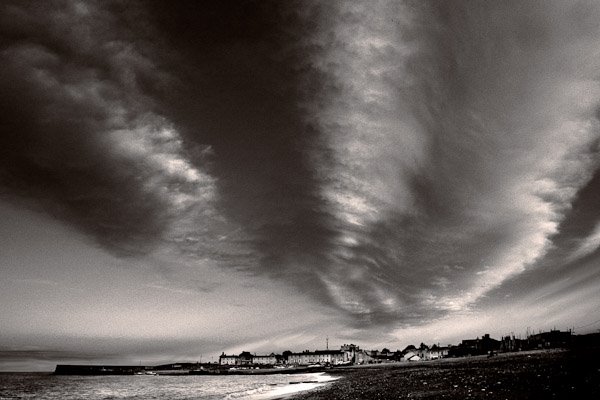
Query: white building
x=437 y=352
x=411 y=356
x=228 y=360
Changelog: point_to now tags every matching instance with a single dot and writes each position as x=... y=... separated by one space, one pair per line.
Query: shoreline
x=293 y=389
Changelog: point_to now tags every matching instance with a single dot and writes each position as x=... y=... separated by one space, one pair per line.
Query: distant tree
x=286 y=354
x=385 y=351
x=408 y=348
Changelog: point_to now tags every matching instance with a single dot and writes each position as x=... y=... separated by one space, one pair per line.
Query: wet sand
x=557 y=374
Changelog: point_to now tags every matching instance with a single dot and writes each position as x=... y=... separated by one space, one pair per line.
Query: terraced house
x=319 y=356
x=246 y=358
x=270 y=359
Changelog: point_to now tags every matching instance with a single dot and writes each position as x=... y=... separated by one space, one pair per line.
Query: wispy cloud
x=451 y=134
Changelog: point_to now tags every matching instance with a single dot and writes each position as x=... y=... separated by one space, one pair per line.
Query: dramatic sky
x=204 y=176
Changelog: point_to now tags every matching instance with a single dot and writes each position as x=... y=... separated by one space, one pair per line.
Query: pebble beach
x=557 y=374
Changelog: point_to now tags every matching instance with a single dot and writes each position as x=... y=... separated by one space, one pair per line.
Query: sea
x=177 y=387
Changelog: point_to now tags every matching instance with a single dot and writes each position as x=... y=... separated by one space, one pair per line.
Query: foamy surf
x=299 y=383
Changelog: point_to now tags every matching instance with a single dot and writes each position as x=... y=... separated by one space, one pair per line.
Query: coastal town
x=347 y=355
x=351 y=354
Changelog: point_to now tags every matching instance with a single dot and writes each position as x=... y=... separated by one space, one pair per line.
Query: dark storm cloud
x=242 y=76
x=79 y=134
x=146 y=125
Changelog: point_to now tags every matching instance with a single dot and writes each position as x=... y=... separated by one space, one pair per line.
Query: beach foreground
x=558 y=374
